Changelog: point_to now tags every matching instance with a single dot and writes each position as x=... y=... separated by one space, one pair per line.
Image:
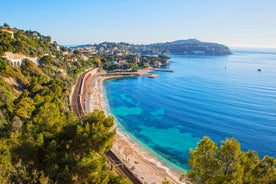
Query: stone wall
x=16 y=59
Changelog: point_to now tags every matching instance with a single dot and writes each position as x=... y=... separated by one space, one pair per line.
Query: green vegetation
x=132 y=62
x=228 y=164
x=41 y=139
x=188 y=47
x=185 y=47
x=29 y=43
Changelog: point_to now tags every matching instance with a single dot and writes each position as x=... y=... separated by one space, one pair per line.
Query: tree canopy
x=228 y=164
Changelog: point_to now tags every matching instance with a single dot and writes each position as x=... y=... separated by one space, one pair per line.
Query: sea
x=216 y=96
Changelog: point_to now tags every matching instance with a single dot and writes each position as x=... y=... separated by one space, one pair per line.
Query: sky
x=235 y=23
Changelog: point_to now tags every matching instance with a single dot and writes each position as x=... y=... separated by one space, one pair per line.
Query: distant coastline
x=184 y=47
x=253 y=50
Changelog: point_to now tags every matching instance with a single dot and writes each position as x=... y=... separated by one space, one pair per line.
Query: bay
x=216 y=96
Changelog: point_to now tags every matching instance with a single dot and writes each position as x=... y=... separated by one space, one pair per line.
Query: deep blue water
x=217 y=96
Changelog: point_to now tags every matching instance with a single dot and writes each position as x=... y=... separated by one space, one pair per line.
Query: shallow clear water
x=217 y=96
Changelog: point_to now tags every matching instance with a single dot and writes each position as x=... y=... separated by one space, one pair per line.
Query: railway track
x=76 y=105
x=76 y=102
x=121 y=167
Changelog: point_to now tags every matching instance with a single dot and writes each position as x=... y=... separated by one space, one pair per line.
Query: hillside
x=188 y=47
x=29 y=43
x=41 y=139
x=185 y=47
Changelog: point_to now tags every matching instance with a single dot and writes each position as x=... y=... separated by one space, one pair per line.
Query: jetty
x=162 y=70
x=130 y=74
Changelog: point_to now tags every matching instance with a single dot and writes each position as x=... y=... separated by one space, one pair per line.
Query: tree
x=265 y=171
x=97 y=127
x=77 y=52
x=16 y=124
x=3 y=121
x=5 y=161
x=29 y=68
x=230 y=156
x=229 y=164
x=134 y=67
x=24 y=106
x=48 y=39
x=46 y=60
x=249 y=161
x=5 y=25
x=203 y=162
x=165 y=181
x=98 y=62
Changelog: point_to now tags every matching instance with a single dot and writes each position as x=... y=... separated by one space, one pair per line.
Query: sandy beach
x=143 y=164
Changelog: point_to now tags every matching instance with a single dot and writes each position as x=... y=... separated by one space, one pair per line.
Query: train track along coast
x=77 y=105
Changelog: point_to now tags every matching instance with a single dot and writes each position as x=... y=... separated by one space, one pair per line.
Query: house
x=9 y=31
x=64 y=53
x=122 y=61
x=83 y=57
x=136 y=59
x=114 y=62
x=74 y=59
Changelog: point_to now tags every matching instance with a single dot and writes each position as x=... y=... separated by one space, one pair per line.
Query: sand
x=143 y=164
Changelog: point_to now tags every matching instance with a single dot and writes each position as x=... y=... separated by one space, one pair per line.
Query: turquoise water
x=217 y=96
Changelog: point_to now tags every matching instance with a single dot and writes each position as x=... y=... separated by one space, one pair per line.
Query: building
x=16 y=59
x=9 y=31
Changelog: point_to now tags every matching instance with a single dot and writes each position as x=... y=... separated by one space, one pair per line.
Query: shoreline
x=146 y=166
